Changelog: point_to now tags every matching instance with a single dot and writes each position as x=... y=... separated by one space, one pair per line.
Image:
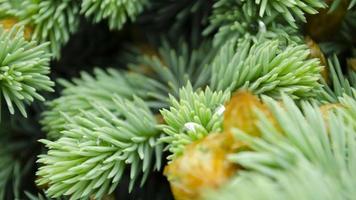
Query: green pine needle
x=94 y=150
x=24 y=69
x=117 y=12
x=51 y=20
x=308 y=157
x=55 y=21
x=266 y=67
x=192 y=117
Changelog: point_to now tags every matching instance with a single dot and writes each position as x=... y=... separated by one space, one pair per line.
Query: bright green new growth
x=51 y=20
x=266 y=67
x=117 y=12
x=24 y=69
x=192 y=117
x=82 y=92
x=174 y=67
x=90 y=157
x=311 y=156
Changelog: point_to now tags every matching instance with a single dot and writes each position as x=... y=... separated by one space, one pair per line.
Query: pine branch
x=24 y=69
x=94 y=150
x=289 y=9
x=234 y=19
x=51 y=20
x=266 y=67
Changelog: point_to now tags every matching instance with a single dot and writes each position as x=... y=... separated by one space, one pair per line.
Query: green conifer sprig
x=51 y=20
x=289 y=9
x=266 y=67
x=173 y=67
x=94 y=150
x=117 y=12
x=310 y=156
x=191 y=117
x=24 y=69
x=230 y=21
x=81 y=92
x=234 y=19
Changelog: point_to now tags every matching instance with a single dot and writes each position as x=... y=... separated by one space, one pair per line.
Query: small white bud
x=220 y=110
x=190 y=126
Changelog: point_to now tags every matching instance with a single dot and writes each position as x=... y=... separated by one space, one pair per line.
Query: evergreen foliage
x=104 y=134
x=236 y=18
x=94 y=150
x=24 y=69
x=50 y=20
x=117 y=12
x=266 y=67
